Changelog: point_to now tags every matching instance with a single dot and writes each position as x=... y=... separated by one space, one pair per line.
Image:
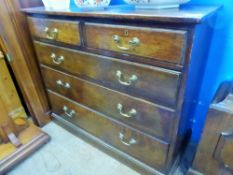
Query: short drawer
x=56 y=30
x=150 y=83
x=154 y=43
x=146 y=149
x=155 y=120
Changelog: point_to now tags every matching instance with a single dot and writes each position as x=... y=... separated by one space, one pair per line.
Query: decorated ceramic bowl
x=92 y=3
x=156 y=4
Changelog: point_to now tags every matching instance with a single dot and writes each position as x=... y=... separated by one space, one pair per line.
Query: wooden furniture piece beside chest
x=118 y=76
x=10 y=106
x=18 y=137
x=215 y=151
x=20 y=55
x=19 y=73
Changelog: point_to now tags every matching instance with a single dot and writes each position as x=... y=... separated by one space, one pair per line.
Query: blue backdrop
x=219 y=66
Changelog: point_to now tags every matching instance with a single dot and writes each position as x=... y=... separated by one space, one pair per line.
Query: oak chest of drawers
x=118 y=77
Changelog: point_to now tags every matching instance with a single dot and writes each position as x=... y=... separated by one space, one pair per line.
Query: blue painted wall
x=219 y=68
x=219 y=64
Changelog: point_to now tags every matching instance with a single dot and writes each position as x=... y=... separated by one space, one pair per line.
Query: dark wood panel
x=64 y=31
x=123 y=138
x=186 y=14
x=215 y=163
x=112 y=151
x=152 y=83
x=161 y=44
x=153 y=119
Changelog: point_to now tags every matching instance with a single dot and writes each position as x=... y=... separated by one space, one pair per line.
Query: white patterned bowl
x=86 y=4
x=57 y=4
x=156 y=4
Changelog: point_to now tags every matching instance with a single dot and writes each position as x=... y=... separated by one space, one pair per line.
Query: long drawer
x=166 y=45
x=150 y=83
x=144 y=148
x=64 y=31
x=153 y=119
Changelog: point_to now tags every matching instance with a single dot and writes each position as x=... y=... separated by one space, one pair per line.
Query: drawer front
x=56 y=30
x=153 y=84
x=157 y=121
x=143 y=148
x=153 y=43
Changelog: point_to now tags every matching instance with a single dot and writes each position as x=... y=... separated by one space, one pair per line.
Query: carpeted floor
x=66 y=154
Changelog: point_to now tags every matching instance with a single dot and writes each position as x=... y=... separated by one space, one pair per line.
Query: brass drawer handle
x=57 y=60
x=130 y=114
x=127 y=143
x=69 y=112
x=62 y=84
x=130 y=81
x=132 y=43
x=51 y=33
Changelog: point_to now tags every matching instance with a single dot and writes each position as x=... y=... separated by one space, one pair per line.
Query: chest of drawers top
x=186 y=14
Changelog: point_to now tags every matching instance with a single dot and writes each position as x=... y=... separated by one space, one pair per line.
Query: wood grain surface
x=153 y=119
x=8 y=94
x=184 y=15
x=68 y=31
x=162 y=44
x=153 y=83
x=109 y=131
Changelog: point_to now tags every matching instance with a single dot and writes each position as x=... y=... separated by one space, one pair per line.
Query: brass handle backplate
x=57 y=60
x=69 y=112
x=63 y=84
x=130 y=81
x=132 y=43
x=129 y=114
x=51 y=33
x=131 y=142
